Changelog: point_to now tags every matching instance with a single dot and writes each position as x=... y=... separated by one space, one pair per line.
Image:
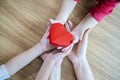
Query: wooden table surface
x=23 y=22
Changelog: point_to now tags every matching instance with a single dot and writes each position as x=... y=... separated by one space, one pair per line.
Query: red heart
x=59 y=36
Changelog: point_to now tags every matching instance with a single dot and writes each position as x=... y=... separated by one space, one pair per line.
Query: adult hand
x=49 y=64
x=69 y=27
x=79 y=50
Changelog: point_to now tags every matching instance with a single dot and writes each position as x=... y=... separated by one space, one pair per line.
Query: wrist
x=39 y=48
x=59 y=63
x=60 y=20
x=80 y=62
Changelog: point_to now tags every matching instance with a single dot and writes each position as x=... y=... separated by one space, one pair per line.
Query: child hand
x=56 y=56
x=44 y=42
x=69 y=27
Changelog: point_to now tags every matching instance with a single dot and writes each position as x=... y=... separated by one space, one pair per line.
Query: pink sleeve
x=102 y=9
x=77 y=0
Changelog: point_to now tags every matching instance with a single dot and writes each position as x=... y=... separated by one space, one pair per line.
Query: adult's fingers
x=86 y=33
x=68 y=26
x=44 y=56
x=67 y=51
x=65 y=48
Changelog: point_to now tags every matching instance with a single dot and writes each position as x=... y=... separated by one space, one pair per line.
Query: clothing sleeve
x=103 y=9
x=77 y=0
x=3 y=73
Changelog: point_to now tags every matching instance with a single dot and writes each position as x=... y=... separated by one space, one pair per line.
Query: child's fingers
x=59 y=47
x=67 y=27
x=52 y=21
x=70 y=23
x=48 y=29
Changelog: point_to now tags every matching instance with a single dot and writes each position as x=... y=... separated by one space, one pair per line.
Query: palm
x=45 y=44
x=76 y=53
x=79 y=50
x=45 y=41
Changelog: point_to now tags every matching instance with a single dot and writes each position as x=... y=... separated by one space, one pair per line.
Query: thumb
x=52 y=21
x=76 y=38
x=86 y=33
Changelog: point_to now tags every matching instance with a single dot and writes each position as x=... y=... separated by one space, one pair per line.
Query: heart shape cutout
x=59 y=36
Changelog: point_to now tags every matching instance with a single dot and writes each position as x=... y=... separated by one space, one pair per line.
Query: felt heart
x=59 y=36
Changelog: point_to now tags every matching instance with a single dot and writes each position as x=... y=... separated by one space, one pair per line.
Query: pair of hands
x=74 y=54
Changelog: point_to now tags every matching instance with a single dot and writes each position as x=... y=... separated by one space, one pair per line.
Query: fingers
x=70 y=23
x=66 y=48
x=76 y=39
x=57 y=56
x=67 y=51
x=59 y=47
x=86 y=33
x=82 y=45
x=61 y=55
x=44 y=56
x=67 y=27
x=52 y=21
x=48 y=29
x=83 y=32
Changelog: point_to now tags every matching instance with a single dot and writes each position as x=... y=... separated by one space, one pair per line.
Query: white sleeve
x=3 y=73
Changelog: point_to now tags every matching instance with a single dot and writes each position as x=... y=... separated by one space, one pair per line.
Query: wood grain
x=23 y=22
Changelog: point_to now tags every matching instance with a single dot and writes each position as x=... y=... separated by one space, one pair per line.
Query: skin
x=23 y=59
x=20 y=61
x=49 y=63
x=79 y=59
x=66 y=8
x=77 y=56
x=48 y=70
x=55 y=74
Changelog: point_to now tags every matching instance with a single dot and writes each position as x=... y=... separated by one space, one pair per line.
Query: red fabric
x=59 y=36
x=103 y=8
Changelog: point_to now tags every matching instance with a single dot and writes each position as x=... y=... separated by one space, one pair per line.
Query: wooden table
x=23 y=22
